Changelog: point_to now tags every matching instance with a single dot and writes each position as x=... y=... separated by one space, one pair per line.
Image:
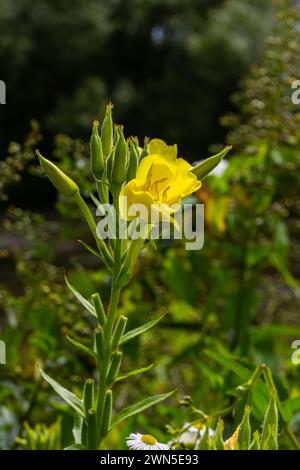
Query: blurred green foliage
x=159 y=61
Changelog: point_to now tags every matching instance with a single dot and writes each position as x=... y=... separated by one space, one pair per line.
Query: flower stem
x=104 y=364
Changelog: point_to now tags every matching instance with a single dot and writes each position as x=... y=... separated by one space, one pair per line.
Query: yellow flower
x=232 y=442
x=162 y=180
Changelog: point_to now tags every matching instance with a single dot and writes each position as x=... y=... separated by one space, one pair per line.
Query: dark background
x=169 y=66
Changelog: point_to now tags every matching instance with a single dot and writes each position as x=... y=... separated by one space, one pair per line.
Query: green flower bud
x=144 y=152
x=107 y=131
x=205 y=443
x=92 y=443
x=107 y=413
x=114 y=367
x=208 y=165
x=218 y=436
x=109 y=165
x=118 y=174
x=99 y=309
x=272 y=440
x=245 y=430
x=97 y=161
x=88 y=395
x=255 y=444
x=62 y=182
x=132 y=162
x=118 y=332
x=271 y=421
x=99 y=343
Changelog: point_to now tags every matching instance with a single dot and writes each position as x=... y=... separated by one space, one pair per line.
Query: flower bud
x=97 y=161
x=99 y=343
x=245 y=430
x=255 y=444
x=270 y=426
x=99 y=309
x=205 y=442
x=118 y=332
x=132 y=162
x=144 y=152
x=62 y=182
x=118 y=173
x=218 y=436
x=88 y=395
x=91 y=430
x=114 y=367
x=207 y=166
x=107 y=131
x=107 y=413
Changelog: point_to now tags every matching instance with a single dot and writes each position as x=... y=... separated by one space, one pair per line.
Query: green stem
x=104 y=364
x=102 y=189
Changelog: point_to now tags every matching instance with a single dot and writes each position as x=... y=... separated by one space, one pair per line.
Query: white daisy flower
x=192 y=434
x=144 y=442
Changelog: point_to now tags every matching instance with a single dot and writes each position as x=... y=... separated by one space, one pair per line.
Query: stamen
x=155 y=186
x=164 y=194
x=149 y=175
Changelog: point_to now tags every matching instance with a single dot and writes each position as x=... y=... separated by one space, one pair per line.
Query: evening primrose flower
x=162 y=181
x=144 y=442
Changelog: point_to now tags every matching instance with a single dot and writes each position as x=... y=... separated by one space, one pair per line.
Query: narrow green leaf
x=82 y=348
x=77 y=429
x=90 y=249
x=139 y=407
x=65 y=394
x=134 y=372
x=87 y=305
x=141 y=329
x=207 y=166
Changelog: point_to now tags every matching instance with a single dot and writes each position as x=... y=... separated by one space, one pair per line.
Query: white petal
x=163 y=446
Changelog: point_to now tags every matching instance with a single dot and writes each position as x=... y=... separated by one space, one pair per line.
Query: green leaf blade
x=86 y=304
x=81 y=347
x=134 y=372
x=139 y=407
x=141 y=329
x=65 y=394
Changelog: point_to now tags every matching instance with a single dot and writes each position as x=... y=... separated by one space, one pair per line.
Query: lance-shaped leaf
x=77 y=429
x=141 y=329
x=134 y=372
x=87 y=305
x=207 y=166
x=82 y=347
x=65 y=394
x=139 y=407
x=90 y=249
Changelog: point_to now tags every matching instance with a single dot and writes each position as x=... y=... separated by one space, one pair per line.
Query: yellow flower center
x=148 y=439
x=199 y=426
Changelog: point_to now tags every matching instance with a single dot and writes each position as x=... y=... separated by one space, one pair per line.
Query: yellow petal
x=151 y=162
x=183 y=165
x=183 y=186
x=131 y=195
x=158 y=146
